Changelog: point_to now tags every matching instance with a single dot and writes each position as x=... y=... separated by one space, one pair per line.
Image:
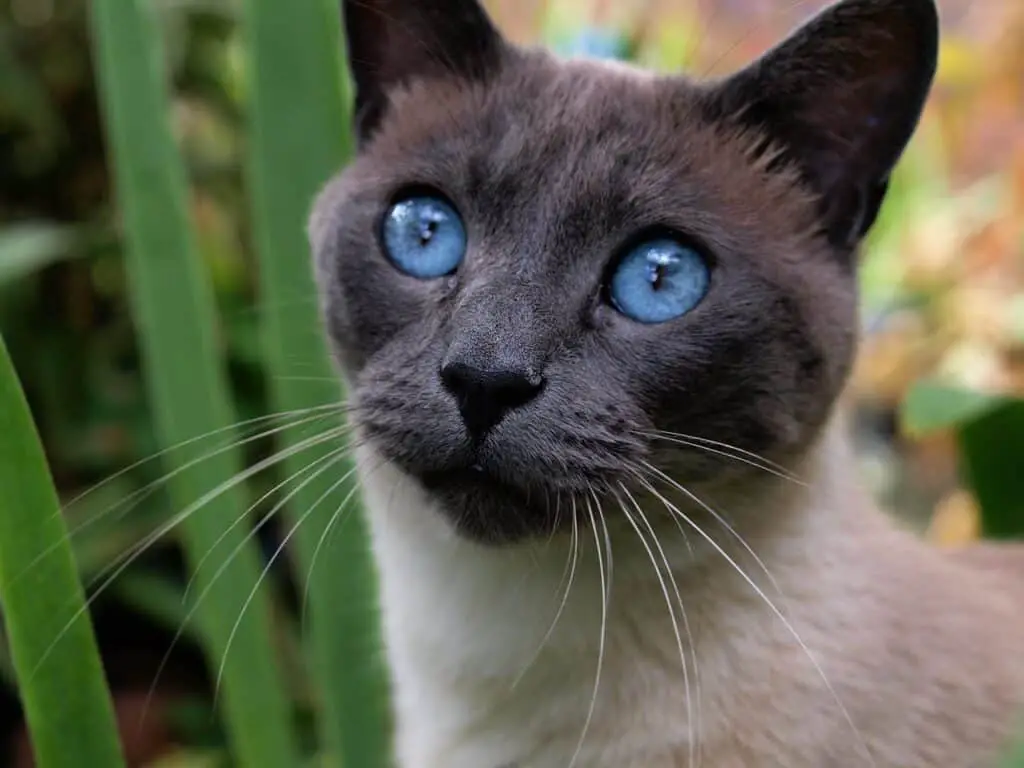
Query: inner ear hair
x=840 y=99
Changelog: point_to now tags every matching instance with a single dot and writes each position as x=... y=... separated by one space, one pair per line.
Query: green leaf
x=990 y=435
x=174 y=312
x=932 y=405
x=29 y=246
x=299 y=137
x=66 y=701
x=991 y=448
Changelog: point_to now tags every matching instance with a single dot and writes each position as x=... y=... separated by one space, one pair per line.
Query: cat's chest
x=515 y=659
x=554 y=715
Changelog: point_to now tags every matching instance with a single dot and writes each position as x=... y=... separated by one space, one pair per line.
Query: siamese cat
x=595 y=323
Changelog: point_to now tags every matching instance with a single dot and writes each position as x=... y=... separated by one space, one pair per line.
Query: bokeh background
x=937 y=391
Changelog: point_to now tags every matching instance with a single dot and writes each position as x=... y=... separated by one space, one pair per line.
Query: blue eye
x=424 y=237
x=659 y=280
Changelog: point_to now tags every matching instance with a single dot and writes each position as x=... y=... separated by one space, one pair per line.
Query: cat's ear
x=393 y=41
x=841 y=98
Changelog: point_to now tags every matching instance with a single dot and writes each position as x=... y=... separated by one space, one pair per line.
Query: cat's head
x=533 y=266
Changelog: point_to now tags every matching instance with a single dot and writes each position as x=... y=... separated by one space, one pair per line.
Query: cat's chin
x=489 y=511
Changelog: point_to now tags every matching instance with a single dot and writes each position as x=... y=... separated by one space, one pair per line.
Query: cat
x=595 y=324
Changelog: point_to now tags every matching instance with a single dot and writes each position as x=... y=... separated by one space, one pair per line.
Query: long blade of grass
x=66 y=701
x=298 y=113
x=175 y=315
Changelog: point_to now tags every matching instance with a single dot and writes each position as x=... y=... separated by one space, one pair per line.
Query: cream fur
x=923 y=653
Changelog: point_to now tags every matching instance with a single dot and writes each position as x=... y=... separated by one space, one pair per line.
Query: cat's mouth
x=488 y=508
x=468 y=476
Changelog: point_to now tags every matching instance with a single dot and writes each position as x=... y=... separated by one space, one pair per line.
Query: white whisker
x=122 y=564
x=330 y=457
x=335 y=407
x=570 y=570
x=329 y=460
x=605 y=581
x=727 y=451
x=721 y=521
x=136 y=497
x=760 y=593
x=270 y=563
x=325 y=534
x=693 y=713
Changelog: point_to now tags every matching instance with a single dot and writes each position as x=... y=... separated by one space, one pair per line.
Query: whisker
x=697 y=32
x=721 y=444
x=333 y=458
x=335 y=407
x=691 y=717
x=756 y=461
x=721 y=521
x=570 y=570
x=637 y=471
x=325 y=534
x=742 y=39
x=604 y=621
x=606 y=536
x=120 y=565
x=232 y=482
x=270 y=564
x=136 y=497
x=316 y=379
x=556 y=520
x=778 y=614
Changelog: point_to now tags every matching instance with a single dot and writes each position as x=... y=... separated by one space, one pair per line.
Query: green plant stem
x=67 y=705
x=175 y=315
x=300 y=135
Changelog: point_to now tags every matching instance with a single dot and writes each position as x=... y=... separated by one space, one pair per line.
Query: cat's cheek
x=376 y=305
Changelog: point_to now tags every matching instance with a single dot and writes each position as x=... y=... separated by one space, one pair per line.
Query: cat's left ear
x=841 y=98
x=391 y=42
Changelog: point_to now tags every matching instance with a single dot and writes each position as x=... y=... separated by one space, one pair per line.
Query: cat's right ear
x=391 y=42
x=840 y=98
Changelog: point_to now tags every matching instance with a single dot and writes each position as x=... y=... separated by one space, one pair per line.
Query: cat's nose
x=486 y=394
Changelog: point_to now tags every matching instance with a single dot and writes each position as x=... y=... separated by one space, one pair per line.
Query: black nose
x=485 y=395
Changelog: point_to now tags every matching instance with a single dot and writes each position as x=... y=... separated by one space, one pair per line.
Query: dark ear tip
x=919 y=18
x=924 y=19
x=913 y=23
x=922 y=22
x=924 y=11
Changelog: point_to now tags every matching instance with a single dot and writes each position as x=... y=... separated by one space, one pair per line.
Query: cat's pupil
x=428 y=226
x=656 y=274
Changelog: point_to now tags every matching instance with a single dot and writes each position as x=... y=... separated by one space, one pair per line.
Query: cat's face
x=533 y=268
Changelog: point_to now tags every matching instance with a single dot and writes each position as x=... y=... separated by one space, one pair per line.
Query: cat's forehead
x=539 y=110
x=546 y=133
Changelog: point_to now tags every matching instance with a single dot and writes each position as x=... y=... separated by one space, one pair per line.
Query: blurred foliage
x=938 y=387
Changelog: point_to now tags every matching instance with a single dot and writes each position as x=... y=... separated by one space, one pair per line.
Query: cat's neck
x=477 y=634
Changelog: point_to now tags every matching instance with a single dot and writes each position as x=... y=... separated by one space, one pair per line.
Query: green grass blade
x=991 y=447
x=299 y=136
x=63 y=691
x=175 y=315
